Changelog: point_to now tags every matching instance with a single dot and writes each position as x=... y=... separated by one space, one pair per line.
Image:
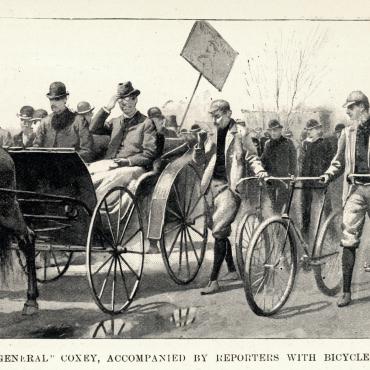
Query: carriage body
x=58 y=201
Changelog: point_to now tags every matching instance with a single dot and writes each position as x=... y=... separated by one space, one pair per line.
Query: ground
x=163 y=309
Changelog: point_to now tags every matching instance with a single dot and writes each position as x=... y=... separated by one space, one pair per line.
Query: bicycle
x=271 y=260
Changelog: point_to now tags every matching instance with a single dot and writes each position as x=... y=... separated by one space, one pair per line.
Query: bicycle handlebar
x=288 y=178
x=354 y=175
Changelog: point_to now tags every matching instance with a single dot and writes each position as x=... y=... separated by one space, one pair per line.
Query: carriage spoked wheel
x=270 y=267
x=184 y=235
x=327 y=272
x=245 y=229
x=115 y=251
x=51 y=263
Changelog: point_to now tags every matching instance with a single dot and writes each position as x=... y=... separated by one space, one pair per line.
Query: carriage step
x=47 y=217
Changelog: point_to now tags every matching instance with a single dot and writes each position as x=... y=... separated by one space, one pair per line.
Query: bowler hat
x=26 y=112
x=171 y=121
x=155 y=112
x=84 y=107
x=339 y=127
x=39 y=114
x=57 y=90
x=126 y=89
x=274 y=123
x=312 y=123
x=356 y=97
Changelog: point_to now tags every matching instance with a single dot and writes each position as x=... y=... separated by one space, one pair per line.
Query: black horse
x=12 y=225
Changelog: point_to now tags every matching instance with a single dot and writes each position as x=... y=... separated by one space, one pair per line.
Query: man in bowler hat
x=317 y=153
x=26 y=137
x=64 y=128
x=226 y=159
x=279 y=158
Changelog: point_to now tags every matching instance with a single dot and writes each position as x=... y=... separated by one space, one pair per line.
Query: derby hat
x=311 y=124
x=273 y=124
x=126 y=89
x=339 y=127
x=39 y=114
x=155 y=112
x=356 y=97
x=57 y=90
x=26 y=112
x=84 y=107
x=171 y=121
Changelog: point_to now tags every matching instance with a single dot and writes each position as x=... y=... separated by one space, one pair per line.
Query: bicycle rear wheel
x=270 y=266
x=328 y=269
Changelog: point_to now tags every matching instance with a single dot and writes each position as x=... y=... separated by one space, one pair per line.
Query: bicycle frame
x=292 y=180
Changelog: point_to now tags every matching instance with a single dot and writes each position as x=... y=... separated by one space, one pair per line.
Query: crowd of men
x=134 y=141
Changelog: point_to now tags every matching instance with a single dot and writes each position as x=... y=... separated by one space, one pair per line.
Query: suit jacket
x=18 y=140
x=280 y=157
x=74 y=135
x=344 y=159
x=240 y=157
x=138 y=135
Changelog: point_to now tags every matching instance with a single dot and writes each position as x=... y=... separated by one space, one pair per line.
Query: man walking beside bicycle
x=225 y=160
x=352 y=157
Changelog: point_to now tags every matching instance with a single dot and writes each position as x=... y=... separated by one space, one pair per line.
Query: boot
x=212 y=287
x=344 y=300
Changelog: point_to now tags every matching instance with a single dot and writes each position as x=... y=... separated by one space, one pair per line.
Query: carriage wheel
x=115 y=251
x=328 y=271
x=270 y=267
x=243 y=237
x=50 y=264
x=184 y=235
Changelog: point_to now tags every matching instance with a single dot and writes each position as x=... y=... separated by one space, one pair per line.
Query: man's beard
x=61 y=120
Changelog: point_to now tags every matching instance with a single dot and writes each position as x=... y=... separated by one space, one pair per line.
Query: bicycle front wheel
x=270 y=266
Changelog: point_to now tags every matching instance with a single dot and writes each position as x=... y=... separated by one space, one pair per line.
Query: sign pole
x=192 y=96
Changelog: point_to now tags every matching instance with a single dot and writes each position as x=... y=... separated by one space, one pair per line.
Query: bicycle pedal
x=305 y=263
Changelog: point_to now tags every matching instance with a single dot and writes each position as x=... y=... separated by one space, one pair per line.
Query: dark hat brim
x=21 y=116
x=134 y=92
x=273 y=128
x=311 y=128
x=57 y=96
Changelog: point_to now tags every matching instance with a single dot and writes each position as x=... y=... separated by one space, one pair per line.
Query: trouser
x=105 y=179
x=354 y=212
x=278 y=194
x=117 y=203
x=224 y=206
x=313 y=201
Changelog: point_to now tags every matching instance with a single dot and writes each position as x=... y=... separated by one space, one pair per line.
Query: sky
x=92 y=56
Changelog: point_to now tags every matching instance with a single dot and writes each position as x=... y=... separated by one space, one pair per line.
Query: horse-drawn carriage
x=164 y=206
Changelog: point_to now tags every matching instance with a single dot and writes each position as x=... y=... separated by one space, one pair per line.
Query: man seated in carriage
x=64 y=128
x=133 y=142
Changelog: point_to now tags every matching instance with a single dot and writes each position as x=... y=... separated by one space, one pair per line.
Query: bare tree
x=286 y=73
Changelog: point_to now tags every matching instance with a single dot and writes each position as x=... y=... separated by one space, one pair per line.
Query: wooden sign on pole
x=210 y=55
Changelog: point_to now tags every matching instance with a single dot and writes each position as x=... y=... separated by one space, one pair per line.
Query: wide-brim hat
x=26 y=112
x=356 y=97
x=84 y=107
x=126 y=89
x=57 y=90
x=274 y=124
